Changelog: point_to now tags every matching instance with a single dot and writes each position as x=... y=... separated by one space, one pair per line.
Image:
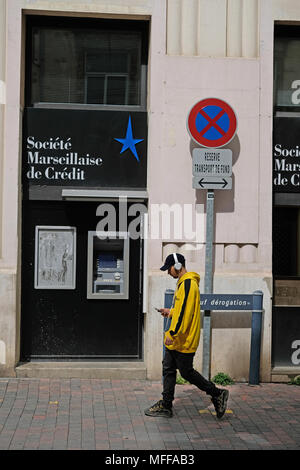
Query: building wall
x=198 y=49
x=8 y=212
x=203 y=60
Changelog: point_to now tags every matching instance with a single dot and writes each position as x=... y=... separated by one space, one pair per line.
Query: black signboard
x=84 y=148
x=286 y=155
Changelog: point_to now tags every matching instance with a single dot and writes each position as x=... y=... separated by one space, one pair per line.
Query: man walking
x=182 y=339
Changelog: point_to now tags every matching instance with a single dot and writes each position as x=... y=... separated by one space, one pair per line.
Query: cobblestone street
x=94 y=414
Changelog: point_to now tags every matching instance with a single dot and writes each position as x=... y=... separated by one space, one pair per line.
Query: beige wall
x=9 y=190
x=198 y=48
x=2 y=109
x=2 y=103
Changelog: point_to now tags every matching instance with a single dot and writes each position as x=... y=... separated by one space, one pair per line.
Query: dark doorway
x=286 y=276
x=62 y=324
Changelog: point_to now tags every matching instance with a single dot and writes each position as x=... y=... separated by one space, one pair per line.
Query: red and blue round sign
x=212 y=123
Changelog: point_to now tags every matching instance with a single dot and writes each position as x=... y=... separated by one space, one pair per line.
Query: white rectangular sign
x=212 y=162
x=212 y=182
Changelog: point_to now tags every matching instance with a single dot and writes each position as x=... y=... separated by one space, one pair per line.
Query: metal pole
x=256 y=327
x=208 y=281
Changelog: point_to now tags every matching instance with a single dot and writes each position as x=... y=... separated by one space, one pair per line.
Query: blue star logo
x=129 y=142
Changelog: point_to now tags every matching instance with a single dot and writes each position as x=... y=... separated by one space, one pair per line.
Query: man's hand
x=165 y=312
x=168 y=341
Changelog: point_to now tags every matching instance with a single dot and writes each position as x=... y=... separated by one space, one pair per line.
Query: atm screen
x=107 y=261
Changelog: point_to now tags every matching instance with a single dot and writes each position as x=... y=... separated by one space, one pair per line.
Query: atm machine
x=108 y=265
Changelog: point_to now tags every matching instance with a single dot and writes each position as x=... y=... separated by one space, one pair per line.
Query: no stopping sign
x=212 y=123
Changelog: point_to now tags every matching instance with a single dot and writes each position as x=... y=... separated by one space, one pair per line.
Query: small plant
x=222 y=379
x=295 y=380
x=180 y=380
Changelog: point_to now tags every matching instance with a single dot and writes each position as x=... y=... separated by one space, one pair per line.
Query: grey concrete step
x=284 y=373
x=83 y=370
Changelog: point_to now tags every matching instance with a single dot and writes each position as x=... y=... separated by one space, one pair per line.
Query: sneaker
x=220 y=403
x=158 y=409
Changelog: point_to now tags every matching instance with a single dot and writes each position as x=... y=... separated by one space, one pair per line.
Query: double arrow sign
x=212 y=169
x=205 y=183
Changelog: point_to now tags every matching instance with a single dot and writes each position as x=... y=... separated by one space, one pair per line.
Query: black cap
x=170 y=261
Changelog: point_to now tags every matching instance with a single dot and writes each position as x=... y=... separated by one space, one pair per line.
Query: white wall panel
x=189 y=27
x=174 y=27
x=250 y=28
x=234 y=28
x=212 y=28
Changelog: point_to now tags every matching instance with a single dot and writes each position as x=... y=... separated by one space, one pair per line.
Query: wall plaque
x=287 y=292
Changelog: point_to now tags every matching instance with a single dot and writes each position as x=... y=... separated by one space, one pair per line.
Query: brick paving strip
x=102 y=414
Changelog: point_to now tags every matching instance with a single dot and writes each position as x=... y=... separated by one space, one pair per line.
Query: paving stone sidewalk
x=94 y=414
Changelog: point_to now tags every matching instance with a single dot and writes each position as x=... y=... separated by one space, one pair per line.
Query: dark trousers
x=174 y=360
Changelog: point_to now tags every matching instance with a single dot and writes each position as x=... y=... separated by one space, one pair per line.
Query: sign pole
x=208 y=281
x=256 y=327
x=211 y=123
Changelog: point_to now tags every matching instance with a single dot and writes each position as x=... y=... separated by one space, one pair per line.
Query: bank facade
x=96 y=181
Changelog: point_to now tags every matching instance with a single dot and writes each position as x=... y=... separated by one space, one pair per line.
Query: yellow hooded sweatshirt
x=185 y=313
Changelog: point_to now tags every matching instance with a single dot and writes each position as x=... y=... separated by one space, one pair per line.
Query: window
x=107 y=78
x=286 y=70
x=86 y=62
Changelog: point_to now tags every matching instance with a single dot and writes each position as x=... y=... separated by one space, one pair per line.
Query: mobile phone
x=157 y=309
